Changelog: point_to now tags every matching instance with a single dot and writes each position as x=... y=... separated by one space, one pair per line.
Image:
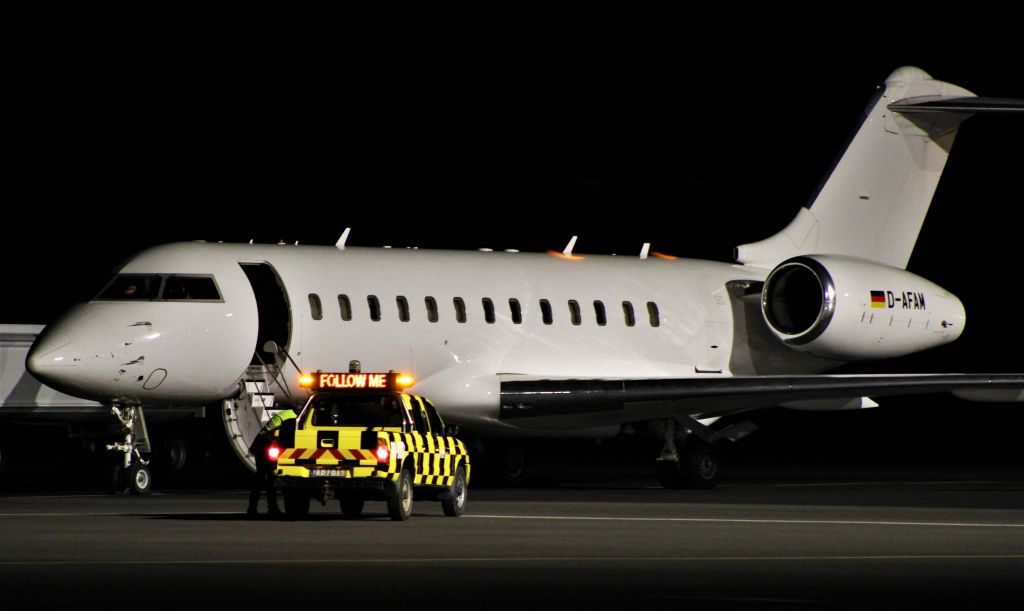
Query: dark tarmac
x=769 y=537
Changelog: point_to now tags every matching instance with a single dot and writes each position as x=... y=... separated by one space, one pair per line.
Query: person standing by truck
x=264 y=476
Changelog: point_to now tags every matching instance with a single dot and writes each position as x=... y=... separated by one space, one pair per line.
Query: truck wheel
x=296 y=504
x=139 y=479
x=455 y=501
x=400 y=504
x=351 y=507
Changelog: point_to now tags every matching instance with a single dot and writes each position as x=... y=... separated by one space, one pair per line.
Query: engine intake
x=799 y=299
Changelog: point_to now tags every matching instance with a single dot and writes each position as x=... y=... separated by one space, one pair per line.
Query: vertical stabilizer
x=873 y=203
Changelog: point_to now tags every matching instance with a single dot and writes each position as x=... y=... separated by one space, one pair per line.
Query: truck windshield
x=356 y=410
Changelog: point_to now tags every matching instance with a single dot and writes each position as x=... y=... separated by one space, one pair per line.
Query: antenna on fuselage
x=568 y=248
x=344 y=238
x=645 y=250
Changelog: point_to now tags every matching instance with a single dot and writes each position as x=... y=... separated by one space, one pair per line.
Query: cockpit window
x=160 y=287
x=133 y=287
x=190 y=288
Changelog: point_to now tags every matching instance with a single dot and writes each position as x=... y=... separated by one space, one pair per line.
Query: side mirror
x=451 y=430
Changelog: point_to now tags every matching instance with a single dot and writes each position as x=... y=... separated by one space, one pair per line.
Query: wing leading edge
x=578 y=403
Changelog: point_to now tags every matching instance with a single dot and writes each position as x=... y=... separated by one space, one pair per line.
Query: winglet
x=568 y=248
x=344 y=238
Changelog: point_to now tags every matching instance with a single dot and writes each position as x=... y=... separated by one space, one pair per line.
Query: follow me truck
x=359 y=438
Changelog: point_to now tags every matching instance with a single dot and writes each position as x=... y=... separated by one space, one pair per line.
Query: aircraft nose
x=50 y=353
x=54 y=359
x=58 y=356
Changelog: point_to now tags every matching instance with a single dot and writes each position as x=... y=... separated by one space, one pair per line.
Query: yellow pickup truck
x=359 y=438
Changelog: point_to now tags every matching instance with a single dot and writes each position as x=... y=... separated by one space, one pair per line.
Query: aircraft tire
x=175 y=452
x=117 y=478
x=669 y=475
x=701 y=465
x=139 y=479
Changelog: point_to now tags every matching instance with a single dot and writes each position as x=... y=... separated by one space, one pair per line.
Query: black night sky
x=467 y=129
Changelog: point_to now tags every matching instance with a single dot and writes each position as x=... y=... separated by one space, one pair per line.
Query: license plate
x=330 y=473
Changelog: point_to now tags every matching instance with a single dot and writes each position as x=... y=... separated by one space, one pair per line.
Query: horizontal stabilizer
x=971 y=105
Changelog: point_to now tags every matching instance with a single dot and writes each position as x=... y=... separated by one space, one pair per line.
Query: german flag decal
x=878 y=299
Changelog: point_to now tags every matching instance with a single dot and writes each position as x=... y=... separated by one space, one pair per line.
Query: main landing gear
x=130 y=472
x=689 y=458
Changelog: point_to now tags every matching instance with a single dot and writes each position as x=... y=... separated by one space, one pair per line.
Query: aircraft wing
x=575 y=403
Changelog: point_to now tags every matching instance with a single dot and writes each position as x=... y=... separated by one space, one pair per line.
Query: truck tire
x=454 y=503
x=400 y=504
x=351 y=507
x=296 y=504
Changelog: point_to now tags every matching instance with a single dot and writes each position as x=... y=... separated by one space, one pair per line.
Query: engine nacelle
x=851 y=309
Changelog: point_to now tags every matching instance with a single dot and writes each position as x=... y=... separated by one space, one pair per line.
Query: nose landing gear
x=130 y=472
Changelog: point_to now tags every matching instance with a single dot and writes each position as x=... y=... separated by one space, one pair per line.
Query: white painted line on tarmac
x=504 y=559
x=751 y=521
x=561 y=519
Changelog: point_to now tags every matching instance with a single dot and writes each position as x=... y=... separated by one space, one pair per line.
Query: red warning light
x=383 y=451
x=273 y=452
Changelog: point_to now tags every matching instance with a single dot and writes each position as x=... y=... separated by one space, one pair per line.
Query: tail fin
x=874 y=201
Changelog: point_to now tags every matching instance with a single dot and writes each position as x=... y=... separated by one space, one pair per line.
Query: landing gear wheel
x=351 y=507
x=455 y=502
x=175 y=453
x=503 y=464
x=296 y=504
x=139 y=479
x=669 y=475
x=117 y=479
x=700 y=465
x=400 y=505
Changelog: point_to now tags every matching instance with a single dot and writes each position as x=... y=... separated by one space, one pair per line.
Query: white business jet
x=554 y=344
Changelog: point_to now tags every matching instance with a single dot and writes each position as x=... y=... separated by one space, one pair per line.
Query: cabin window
x=488 y=310
x=545 y=311
x=574 y=312
x=345 y=306
x=517 y=311
x=431 y=308
x=315 y=309
x=652 y=312
x=627 y=312
x=374 y=303
x=403 y=308
x=599 y=313
x=460 y=309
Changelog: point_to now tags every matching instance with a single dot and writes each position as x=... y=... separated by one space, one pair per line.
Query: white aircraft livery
x=555 y=344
